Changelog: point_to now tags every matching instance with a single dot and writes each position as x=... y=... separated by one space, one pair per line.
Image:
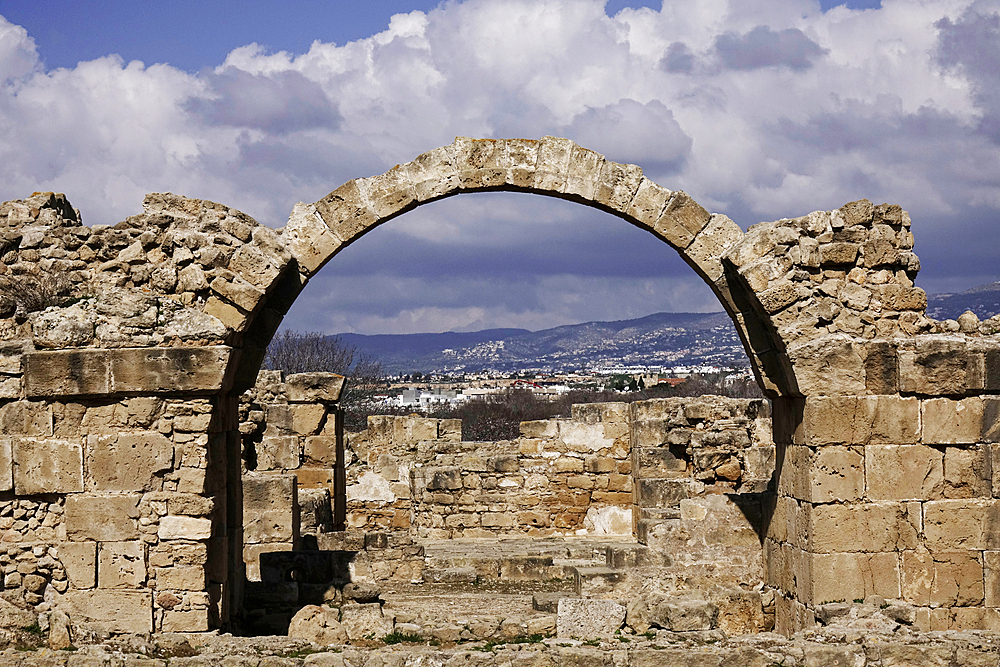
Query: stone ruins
x=153 y=481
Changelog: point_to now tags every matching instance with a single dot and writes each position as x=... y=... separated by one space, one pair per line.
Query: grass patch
x=402 y=638
x=493 y=643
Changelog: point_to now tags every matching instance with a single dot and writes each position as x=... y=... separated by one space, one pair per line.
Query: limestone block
x=552 y=167
x=935 y=365
x=259 y=268
x=830 y=365
x=308 y=238
x=320 y=625
x=836 y=474
x=903 y=472
x=168 y=370
x=584 y=172
x=661 y=492
x=945 y=421
x=414 y=429
x=991 y=420
x=389 y=193
x=279 y=452
x=6 y=464
x=320 y=450
x=121 y=565
x=80 y=561
x=893 y=419
x=238 y=291
x=881 y=367
x=480 y=162
x=180 y=578
x=942 y=579
x=66 y=373
x=191 y=620
x=433 y=174
x=270 y=508
x=584 y=437
x=360 y=620
x=869 y=527
x=849 y=576
x=681 y=220
x=228 y=315
x=838 y=253
x=967 y=472
x=588 y=619
x=373 y=488
x=954 y=525
x=129 y=461
x=521 y=160
x=617 y=185
x=346 y=211
x=991 y=578
x=648 y=203
x=184 y=528
x=113 y=611
x=102 y=518
x=712 y=243
x=544 y=428
x=47 y=466
x=295 y=418
x=835 y=420
x=314 y=387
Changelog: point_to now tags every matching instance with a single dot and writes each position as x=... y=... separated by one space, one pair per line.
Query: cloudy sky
x=760 y=109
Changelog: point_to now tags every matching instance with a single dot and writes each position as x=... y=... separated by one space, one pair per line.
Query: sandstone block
x=278 y=453
x=828 y=365
x=102 y=518
x=192 y=620
x=296 y=419
x=894 y=419
x=314 y=387
x=588 y=619
x=946 y=421
x=128 y=461
x=836 y=474
x=991 y=420
x=903 y=472
x=308 y=238
x=184 y=528
x=869 y=527
x=258 y=266
x=270 y=505
x=648 y=203
x=552 y=166
x=617 y=185
x=935 y=366
x=967 y=472
x=881 y=367
x=954 y=525
x=113 y=611
x=584 y=172
x=388 y=193
x=168 y=370
x=359 y=620
x=180 y=577
x=320 y=450
x=848 y=576
x=251 y=556
x=942 y=579
x=480 y=162
x=320 y=625
x=121 y=565
x=991 y=578
x=66 y=373
x=712 y=243
x=228 y=315
x=521 y=161
x=681 y=220
x=433 y=174
x=47 y=466
x=6 y=464
x=80 y=561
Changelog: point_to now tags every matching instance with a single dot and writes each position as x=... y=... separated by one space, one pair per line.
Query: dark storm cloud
x=277 y=103
x=678 y=58
x=971 y=45
x=763 y=47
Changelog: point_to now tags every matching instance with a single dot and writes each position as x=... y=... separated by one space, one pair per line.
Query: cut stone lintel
x=146 y=370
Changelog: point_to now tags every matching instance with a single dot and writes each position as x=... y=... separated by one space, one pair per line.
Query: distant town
x=431 y=391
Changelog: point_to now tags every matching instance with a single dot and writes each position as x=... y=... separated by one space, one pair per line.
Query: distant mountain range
x=661 y=339
x=984 y=301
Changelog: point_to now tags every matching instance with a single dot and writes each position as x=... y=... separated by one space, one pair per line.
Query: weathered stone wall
x=175 y=306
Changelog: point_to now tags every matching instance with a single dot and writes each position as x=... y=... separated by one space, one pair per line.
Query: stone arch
x=551 y=166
